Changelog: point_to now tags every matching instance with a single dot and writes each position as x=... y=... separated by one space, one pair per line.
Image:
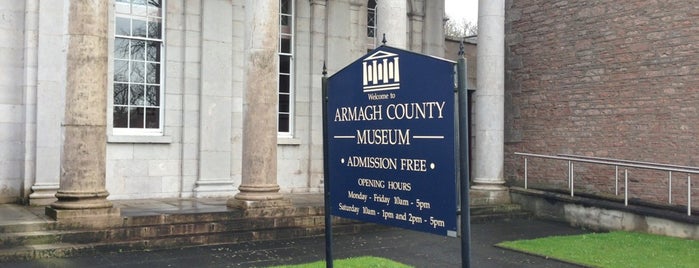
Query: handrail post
x=626 y=187
x=616 y=180
x=669 y=187
x=525 y=172
x=572 y=178
x=689 y=195
x=569 y=177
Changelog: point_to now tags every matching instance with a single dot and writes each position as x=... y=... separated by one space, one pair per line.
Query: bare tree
x=460 y=28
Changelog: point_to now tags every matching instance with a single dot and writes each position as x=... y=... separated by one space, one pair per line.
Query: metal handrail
x=669 y=182
x=629 y=161
x=617 y=163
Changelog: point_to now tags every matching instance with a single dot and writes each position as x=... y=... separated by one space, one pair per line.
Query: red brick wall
x=615 y=79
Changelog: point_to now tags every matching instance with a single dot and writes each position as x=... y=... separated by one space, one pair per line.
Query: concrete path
x=409 y=247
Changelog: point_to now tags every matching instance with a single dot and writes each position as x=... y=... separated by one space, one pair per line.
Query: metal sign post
x=326 y=181
x=464 y=169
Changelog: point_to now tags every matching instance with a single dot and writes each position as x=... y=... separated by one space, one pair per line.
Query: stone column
x=416 y=25
x=82 y=191
x=433 y=40
x=391 y=19
x=259 y=171
x=488 y=182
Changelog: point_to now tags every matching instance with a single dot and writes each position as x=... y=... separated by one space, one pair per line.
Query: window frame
x=116 y=15
x=371 y=40
x=291 y=36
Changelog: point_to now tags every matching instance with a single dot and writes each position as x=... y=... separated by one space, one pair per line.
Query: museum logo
x=381 y=72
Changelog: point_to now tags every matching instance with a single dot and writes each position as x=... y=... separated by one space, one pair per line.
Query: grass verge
x=614 y=249
x=358 y=262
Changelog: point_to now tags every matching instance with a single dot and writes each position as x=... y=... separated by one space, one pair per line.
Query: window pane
x=286 y=44
x=121 y=93
x=122 y=7
x=154 y=3
x=286 y=22
x=283 y=123
x=121 y=116
x=139 y=2
x=138 y=49
x=153 y=73
x=283 y=103
x=121 y=48
x=153 y=51
x=139 y=28
x=123 y=1
x=136 y=95
x=284 y=83
x=154 y=8
x=137 y=72
x=284 y=64
x=286 y=6
x=122 y=26
x=139 y=10
x=154 y=29
x=153 y=96
x=152 y=117
x=136 y=118
x=121 y=70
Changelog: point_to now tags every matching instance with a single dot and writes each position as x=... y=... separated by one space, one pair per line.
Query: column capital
x=318 y=2
x=358 y=3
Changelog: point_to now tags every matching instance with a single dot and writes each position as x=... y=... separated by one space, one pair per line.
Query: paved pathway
x=409 y=247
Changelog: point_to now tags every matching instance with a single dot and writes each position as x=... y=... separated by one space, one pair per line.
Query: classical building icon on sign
x=381 y=72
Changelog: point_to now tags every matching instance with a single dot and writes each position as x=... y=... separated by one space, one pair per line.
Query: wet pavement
x=409 y=247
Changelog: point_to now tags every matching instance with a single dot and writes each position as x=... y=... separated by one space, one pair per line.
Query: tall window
x=371 y=25
x=286 y=67
x=138 y=50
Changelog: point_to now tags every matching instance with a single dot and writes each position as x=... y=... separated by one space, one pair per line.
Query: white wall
x=12 y=110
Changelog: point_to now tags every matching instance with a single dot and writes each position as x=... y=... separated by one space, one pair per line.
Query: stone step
x=495 y=209
x=27 y=227
x=500 y=217
x=76 y=249
x=130 y=233
x=146 y=218
x=489 y=213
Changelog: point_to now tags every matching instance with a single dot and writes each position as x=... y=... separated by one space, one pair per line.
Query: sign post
x=326 y=182
x=464 y=168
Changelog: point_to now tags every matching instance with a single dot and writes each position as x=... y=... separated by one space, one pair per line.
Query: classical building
x=127 y=99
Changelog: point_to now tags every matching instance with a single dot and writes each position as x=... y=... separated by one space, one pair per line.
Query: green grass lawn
x=615 y=249
x=358 y=262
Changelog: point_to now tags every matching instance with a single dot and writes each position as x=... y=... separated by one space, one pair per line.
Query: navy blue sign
x=391 y=139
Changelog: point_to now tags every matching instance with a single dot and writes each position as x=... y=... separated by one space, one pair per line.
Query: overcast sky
x=457 y=9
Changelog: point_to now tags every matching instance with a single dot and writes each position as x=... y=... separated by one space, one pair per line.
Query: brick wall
x=613 y=79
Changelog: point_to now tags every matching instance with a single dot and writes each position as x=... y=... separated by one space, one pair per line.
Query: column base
x=213 y=188
x=255 y=204
x=263 y=208
x=89 y=218
x=489 y=194
x=43 y=194
x=258 y=192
